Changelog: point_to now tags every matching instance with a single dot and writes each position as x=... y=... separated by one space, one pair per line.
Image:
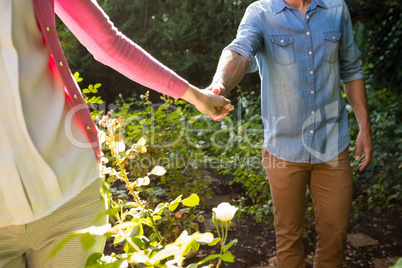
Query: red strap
x=45 y=16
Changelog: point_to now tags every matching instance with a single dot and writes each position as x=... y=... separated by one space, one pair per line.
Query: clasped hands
x=209 y=101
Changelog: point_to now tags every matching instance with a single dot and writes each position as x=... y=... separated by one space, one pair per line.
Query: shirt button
x=312 y=92
x=48 y=29
x=282 y=41
x=75 y=96
x=308 y=33
x=89 y=127
x=333 y=37
x=61 y=63
x=311 y=72
x=312 y=112
x=307 y=17
x=310 y=53
x=311 y=131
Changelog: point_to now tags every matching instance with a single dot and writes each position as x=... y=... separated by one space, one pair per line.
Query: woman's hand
x=209 y=103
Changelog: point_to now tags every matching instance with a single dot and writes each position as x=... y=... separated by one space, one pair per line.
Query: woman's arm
x=92 y=27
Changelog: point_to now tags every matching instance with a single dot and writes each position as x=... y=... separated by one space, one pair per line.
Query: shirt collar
x=280 y=5
x=319 y=3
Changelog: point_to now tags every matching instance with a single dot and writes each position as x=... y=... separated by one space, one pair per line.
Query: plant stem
x=127 y=182
x=137 y=199
x=224 y=227
x=223 y=240
x=130 y=242
x=219 y=262
x=161 y=239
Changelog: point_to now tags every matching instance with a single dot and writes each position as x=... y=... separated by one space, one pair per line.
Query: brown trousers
x=331 y=188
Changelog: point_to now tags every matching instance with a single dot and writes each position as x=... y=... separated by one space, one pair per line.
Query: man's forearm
x=356 y=94
x=231 y=69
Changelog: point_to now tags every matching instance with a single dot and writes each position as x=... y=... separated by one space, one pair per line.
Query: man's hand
x=356 y=94
x=217 y=89
x=364 y=144
x=215 y=106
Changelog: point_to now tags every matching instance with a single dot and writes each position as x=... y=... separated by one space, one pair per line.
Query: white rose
x=225 y=211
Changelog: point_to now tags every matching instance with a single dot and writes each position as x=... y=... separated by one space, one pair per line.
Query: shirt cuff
x=252 y=63
x=353 y=77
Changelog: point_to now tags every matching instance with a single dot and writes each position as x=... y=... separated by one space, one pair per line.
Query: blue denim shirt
x=301 y=62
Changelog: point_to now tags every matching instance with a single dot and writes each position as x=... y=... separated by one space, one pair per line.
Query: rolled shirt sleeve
x=249 y=38
x=349 y=54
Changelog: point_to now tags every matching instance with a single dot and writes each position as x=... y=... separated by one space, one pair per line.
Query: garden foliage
x=153 y=214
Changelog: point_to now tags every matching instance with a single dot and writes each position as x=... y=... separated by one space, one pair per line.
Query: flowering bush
x=136 y=221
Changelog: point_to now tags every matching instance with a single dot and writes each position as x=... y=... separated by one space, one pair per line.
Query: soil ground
x=257 y=242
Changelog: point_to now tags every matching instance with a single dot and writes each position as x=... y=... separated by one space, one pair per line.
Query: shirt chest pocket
x=331 y=45
x=283 y=49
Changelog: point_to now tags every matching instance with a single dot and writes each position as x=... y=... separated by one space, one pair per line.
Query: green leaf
x=214 y=220
x=214 y=242
x=158 y=171
x=160 y=208
x=187 y=249
x=148 y=221
x=398 y=264
x=229 y=245
x=228 y=257
x=117 y=240
x=127 y=248
x=193 y=265
x=173 y=205
x=138 y=242
x=168 y=251
x=87 y=240
x=191 y=201
x=195 y=246
x=141 y=141
x=98 y=85
x=153 y=237
x=77 y=77
x=61 y=244
x=137 y=230
x=92 y=261
x=143 y=181
x=210 y=257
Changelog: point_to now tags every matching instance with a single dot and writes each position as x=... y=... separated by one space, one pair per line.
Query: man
x=303 y=49
x=49 y=186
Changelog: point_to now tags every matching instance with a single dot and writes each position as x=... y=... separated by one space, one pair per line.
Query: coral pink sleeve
x=92 y=27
